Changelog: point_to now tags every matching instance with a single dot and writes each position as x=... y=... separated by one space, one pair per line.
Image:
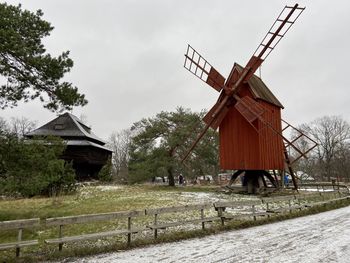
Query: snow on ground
x=109 y=187
x=323 y=237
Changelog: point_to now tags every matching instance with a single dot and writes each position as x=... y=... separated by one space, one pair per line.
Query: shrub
x=29 y=168
x=105 y=174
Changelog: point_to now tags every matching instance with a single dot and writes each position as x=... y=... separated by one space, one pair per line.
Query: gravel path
x=323 y=237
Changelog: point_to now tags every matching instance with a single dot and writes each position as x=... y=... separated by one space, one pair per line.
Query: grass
x=102 y=199
x=98 y=199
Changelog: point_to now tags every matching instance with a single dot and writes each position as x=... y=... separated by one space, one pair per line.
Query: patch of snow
x=208 y=197
x=109 y=187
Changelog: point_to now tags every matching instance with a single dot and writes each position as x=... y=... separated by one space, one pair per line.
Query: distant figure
x=181 y=179
x=286 y=180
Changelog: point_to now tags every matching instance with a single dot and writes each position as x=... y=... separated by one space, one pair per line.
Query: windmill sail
x=202 y=69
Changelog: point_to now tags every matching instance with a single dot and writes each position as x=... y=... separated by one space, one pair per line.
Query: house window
x=59 y=127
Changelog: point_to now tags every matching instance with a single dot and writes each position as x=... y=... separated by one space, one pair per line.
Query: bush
x=29 y=168
x=105 y=174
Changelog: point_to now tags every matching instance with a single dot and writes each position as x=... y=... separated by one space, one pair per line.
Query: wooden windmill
x=247 y=114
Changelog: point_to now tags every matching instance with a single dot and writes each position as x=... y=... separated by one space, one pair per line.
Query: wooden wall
x=243 y=148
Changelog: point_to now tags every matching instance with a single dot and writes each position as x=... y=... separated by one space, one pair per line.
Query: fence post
x=60 y=233
x=290 y=206
x=267 y=209
x=253 y=210
x=202 y=217
x=129 y=228
x=19 y=239
x=220 y=215
x=155 y=223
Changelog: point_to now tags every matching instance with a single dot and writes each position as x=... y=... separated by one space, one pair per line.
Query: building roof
x=259 y=88
x=86 y=143
x=67 y=126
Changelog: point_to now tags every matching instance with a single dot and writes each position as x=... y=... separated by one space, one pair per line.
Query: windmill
x=247 y=114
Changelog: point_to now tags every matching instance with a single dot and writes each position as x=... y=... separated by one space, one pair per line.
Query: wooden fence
x=324 y=186
x=225 y=210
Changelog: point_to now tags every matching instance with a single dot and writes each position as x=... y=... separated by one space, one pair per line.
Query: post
x=267 y=209
x=19 y=239
x=253 y=210
x=322 y=196
x=156 y=229
x=290 y=206
x=129 y=228
x=60 y=233
x=202 y=217
x=220 y=215
x=298 y=202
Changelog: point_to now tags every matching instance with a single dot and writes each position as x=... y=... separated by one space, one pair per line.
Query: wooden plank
x=25 y=243
x=93 y=236
x=91 y=218
x=179 y=223
x=21 y=223
x=278 y=199
x=237 y=203
x=241 y=216
x=172 y=209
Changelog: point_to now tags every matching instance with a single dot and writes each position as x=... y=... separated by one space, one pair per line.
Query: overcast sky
x=128 y=56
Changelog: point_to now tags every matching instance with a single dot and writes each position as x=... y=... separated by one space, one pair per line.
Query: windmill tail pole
x=290 y=170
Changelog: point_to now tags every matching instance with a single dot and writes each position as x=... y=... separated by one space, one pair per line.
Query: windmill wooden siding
x=241 y=146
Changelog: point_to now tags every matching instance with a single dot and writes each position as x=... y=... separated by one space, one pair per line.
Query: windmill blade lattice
x=202 y=69
x=279 y=28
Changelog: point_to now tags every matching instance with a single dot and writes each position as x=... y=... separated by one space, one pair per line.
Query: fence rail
x=163 y=217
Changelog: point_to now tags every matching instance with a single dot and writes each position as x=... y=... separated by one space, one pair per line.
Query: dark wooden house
x=246 y=146
x=87 y=152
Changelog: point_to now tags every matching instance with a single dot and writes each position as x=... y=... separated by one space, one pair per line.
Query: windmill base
x=254 y=181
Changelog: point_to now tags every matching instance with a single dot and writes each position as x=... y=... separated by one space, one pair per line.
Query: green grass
x=96 y=200
x=102 y=199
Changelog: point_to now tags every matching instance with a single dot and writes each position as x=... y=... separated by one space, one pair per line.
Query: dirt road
x=323 y=237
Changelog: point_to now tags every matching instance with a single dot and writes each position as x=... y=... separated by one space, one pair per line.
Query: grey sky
x=128 y=56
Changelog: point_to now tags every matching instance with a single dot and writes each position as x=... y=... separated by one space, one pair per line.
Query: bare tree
x=119 y=142
x=332 y=133
x=4 y=127
x=21 y=126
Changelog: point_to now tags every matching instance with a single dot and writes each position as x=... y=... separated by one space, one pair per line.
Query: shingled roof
x=259 y=89
x=68 y=127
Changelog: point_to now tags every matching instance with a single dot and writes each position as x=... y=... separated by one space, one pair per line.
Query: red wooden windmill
x=247 y=114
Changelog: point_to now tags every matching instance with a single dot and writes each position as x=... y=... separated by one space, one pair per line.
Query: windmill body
x=252 y=146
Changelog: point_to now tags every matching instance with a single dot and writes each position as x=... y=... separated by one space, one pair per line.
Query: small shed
x=252 y=147
x=87 y=152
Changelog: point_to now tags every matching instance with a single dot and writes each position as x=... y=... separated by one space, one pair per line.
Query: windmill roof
x=67 y=126
x=259 y=89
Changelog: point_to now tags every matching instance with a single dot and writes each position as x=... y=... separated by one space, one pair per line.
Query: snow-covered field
x=323 y=237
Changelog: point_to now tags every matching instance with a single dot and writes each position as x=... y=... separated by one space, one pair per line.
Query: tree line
x=154 y=147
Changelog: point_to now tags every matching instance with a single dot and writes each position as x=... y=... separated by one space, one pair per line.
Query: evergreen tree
x=160 y=142
x=30 y=72
x=29 y=168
